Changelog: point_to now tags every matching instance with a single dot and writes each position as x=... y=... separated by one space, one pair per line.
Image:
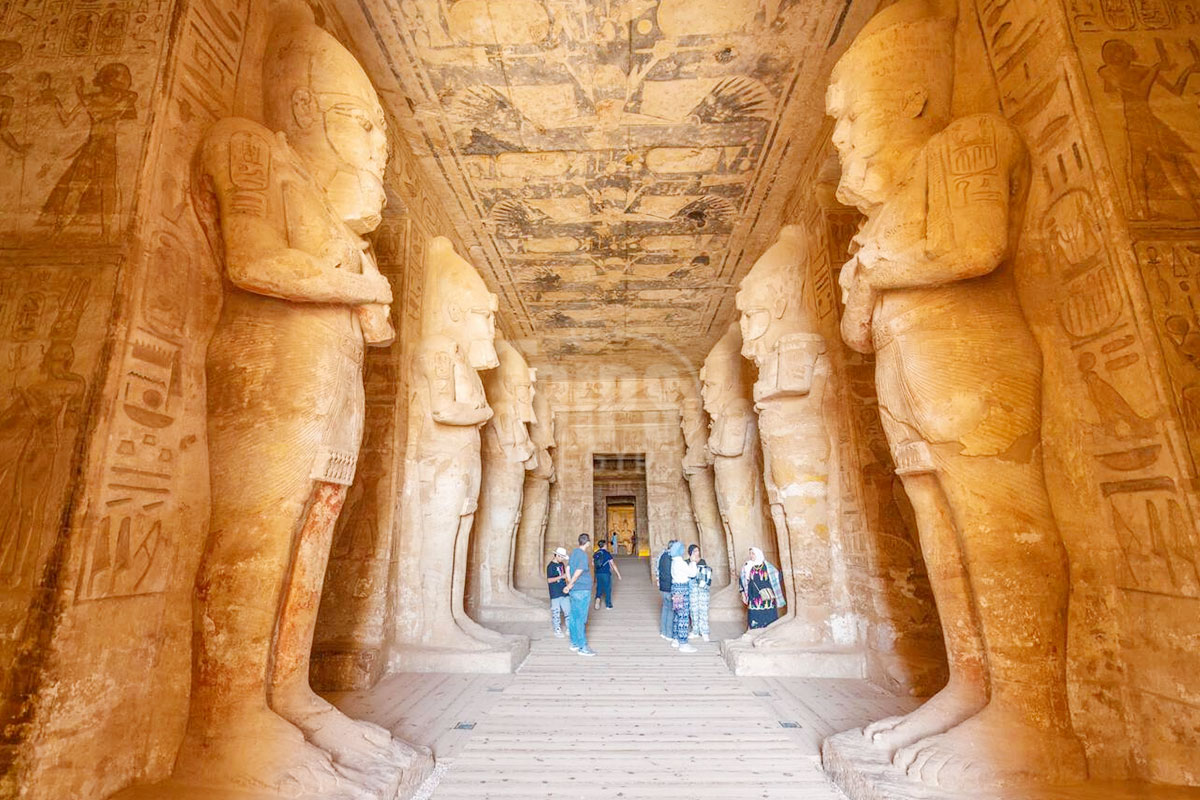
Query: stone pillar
x=698 y=473
x=508 y=454
x=530 y=569
x=431 y=630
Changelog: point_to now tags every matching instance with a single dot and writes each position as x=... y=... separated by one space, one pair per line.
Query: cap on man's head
x=560 y=551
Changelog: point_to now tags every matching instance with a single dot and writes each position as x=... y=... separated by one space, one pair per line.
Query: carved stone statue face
x=889 y=93
x=769 y=301
x=542 y=429
x=319 y=96
x=458 y=305
x=525 y=391
x=720 y=377
x=479 y=325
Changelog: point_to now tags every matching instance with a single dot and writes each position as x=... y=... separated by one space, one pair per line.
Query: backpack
x=664 y=572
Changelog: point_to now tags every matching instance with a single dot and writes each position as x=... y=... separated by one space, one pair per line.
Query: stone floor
x=638 y=721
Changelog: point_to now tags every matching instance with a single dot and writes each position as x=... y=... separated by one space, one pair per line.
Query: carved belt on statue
x=337 y=458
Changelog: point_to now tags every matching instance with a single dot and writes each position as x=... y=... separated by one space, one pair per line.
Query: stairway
x=640 y=720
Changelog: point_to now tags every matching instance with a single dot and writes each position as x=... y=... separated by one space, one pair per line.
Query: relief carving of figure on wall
x=1157 y=152
x=930 y=290
x=286 y=205
x=89 y=184
x=34 y=428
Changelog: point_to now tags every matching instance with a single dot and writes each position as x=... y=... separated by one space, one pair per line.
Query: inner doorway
x=619 y=495
x=621 y=516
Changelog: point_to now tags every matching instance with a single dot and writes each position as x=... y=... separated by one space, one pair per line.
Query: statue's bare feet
x=991 y=749
x=262 y=752
x=363 y=747
x=956 y=702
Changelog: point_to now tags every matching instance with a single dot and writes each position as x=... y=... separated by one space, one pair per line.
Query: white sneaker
x=667 y=638
x=597 y=605
x=687 y=648
x=704 y=636
x=574 y=648
x=558 y=634
x=675 y=644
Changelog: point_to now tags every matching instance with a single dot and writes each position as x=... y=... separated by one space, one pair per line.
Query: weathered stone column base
x=408 y=779
x=489 y=615
x=725 y=605
x=864 y=772
x=496 y=660
x=743 y=658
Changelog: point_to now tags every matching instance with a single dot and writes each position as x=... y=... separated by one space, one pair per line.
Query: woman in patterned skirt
x=682 y=572
x=761 y=591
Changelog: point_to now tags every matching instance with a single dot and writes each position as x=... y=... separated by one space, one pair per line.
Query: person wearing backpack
x=662 y=574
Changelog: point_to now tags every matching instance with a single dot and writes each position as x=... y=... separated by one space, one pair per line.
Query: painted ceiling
x=615 y=165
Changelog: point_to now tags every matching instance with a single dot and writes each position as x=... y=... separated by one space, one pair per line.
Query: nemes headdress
x=909 y=43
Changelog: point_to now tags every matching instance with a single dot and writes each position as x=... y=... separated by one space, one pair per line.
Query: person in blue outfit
x=579 y=589
x=605 y=566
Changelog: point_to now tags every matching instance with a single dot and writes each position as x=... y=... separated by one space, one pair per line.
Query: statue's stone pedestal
x=743 y=658
x=866 y=773
x=408 y=779
x=497 y=660
x=725 y=605
x=490 y=615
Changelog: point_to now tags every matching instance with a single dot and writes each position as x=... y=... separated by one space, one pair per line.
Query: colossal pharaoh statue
x=507 y=453
x=535 y=509
x=733 y=445
x=930 y=289
x=447 y=407
x=285 y=415
x=789 y=395
x=699 y=475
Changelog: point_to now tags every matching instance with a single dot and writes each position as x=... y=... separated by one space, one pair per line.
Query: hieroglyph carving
x=930 y=290
x=292 y=198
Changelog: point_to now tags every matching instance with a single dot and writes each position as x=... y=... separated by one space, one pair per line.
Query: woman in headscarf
x=682 y=572
x=761 y=590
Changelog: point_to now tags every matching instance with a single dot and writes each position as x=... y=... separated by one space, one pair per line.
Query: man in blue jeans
x=579 y=589
x=604 y=567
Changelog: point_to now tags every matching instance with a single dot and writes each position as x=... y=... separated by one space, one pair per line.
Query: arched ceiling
x=614 y=165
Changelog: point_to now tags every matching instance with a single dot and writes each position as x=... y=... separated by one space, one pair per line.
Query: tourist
x=682 y=572
x=700 y=587
x=660 y=572
x=760 y=590
x=556 y=577
x=612 y=538
x=579 y=589
x=604 y=566
x=633 y=545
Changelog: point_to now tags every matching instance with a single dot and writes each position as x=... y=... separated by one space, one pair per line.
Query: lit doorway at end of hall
x=619 y=494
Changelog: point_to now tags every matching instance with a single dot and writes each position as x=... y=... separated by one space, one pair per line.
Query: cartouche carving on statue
x=535 y=508
x=733 y=448
x=447 y=407
x=285 y=411
x=782 y=340
x=698 y=472
x=507 y=453
x=930 y=290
